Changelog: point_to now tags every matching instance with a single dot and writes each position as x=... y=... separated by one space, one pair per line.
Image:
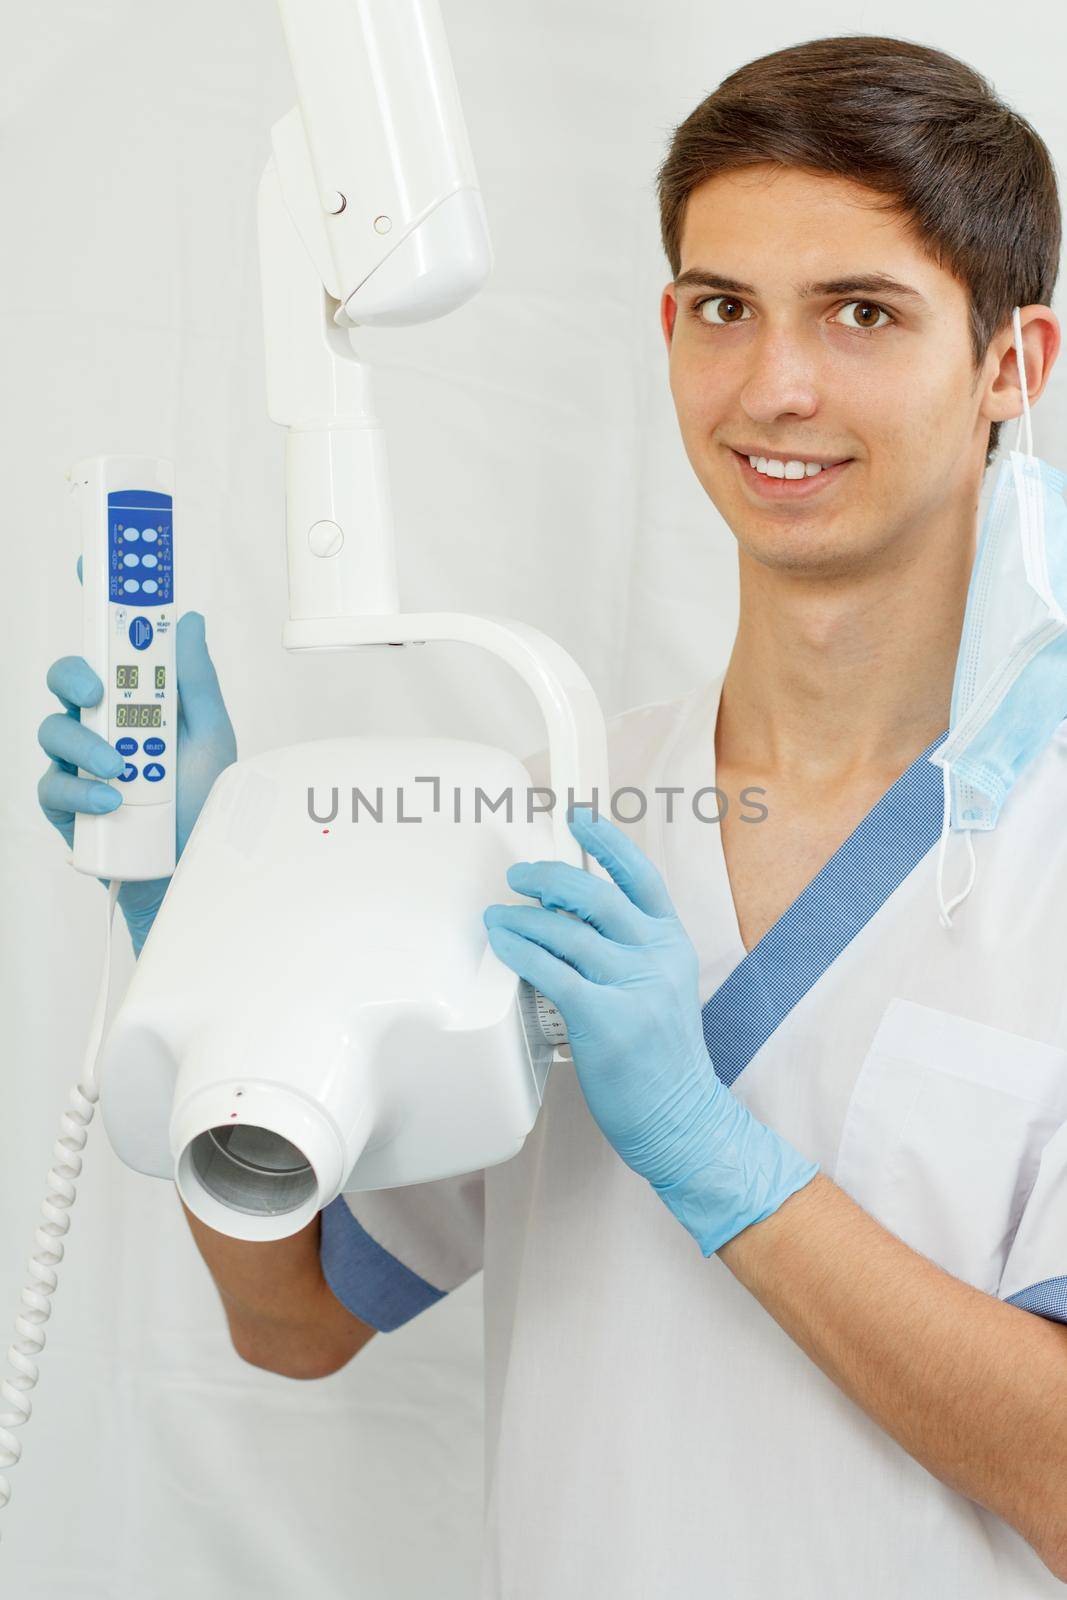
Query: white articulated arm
x=382 y=187
x=577 y=738
x=338 y=514
x=370 y=212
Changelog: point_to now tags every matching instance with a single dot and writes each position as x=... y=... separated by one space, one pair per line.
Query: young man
x=863 y=1389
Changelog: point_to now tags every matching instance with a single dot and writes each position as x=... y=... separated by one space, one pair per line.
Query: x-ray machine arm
x=370 y=213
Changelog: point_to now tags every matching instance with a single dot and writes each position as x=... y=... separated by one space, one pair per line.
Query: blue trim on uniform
x=840 y=900
x=1047 y=1298
x=365 y=1277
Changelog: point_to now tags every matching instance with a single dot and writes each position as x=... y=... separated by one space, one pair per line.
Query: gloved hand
x=624 y=978
x=205 y=746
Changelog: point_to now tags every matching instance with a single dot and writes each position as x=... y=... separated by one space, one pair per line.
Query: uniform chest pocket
x=944 y=1132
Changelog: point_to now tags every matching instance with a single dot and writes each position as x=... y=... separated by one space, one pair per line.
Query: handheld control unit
x=125 y=511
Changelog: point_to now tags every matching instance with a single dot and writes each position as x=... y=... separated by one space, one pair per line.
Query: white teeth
x=772 y=468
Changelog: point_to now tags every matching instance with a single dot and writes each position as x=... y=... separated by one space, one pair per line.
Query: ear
x=1041 y=345
x=668 y=310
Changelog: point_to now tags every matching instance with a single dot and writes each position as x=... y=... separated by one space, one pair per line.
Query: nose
x=780 y=378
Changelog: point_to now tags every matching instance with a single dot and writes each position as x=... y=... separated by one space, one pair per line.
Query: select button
x=153 y=747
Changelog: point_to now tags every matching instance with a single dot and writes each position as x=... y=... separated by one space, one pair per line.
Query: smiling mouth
x=787 y=488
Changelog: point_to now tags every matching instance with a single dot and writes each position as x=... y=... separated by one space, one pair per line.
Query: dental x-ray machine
x=317 y=1009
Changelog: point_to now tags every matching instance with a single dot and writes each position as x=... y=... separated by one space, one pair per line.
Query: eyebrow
x=865 y=283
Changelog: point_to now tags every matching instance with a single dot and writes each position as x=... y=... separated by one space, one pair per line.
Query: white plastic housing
x=376 y=165
x=338 y=512
x=331 y=981
x=577 y=739
x=369 y=212
x=137 y=840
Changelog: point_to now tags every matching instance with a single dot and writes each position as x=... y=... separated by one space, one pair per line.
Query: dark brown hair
x=972 y=180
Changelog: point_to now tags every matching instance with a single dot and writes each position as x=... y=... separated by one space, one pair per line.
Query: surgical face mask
x=1010 y=688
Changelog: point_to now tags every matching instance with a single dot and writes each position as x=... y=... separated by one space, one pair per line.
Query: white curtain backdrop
x=537 y=473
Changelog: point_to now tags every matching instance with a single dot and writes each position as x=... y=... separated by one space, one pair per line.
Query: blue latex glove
x=624 y=978
x=206 y=745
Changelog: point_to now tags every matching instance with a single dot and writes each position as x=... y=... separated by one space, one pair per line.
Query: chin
x=813 y=556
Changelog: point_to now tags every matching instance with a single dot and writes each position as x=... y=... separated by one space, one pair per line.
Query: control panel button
x=152 y=747
x=151 y=535
x=130 y=534
x=149 y=586
x=126 y=746
x=141 y=631
x=153 y=772
x=148 y=559
x=131 y=586
x=128 y=772
x=132 y=559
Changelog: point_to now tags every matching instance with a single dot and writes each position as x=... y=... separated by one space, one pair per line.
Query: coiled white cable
x=36 y=1305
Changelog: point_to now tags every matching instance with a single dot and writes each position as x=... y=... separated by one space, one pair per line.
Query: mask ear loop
x=1020 y=359
x=944 y=909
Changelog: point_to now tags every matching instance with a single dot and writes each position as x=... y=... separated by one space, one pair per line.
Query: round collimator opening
x=252 y=1169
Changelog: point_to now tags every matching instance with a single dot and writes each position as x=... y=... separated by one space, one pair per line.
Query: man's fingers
x=61 y=794
x=630 y=868
x=60 y=791
x=555 y=979
x=63 y=737
x=561 y=887
x=198 y=684
x=597 y=959
x=74 y=681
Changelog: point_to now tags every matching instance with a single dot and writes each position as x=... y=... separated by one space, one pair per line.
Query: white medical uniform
x=650 y=1429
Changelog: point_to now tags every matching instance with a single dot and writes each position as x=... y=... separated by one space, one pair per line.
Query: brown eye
x=733 y=308
x=868 y=313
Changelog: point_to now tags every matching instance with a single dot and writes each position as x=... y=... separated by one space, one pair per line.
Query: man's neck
x=832 y=681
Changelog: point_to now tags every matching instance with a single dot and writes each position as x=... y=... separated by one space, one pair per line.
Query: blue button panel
x=141 y=546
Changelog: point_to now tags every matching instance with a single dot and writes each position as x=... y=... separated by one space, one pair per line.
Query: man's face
x=877 y=377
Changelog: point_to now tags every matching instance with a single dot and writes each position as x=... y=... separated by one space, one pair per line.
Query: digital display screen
x=161 y=677
x=126 y=677
x=131 y=716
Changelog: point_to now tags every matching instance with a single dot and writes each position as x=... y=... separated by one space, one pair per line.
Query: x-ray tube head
x=252 y=1169
x=343 y=1024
